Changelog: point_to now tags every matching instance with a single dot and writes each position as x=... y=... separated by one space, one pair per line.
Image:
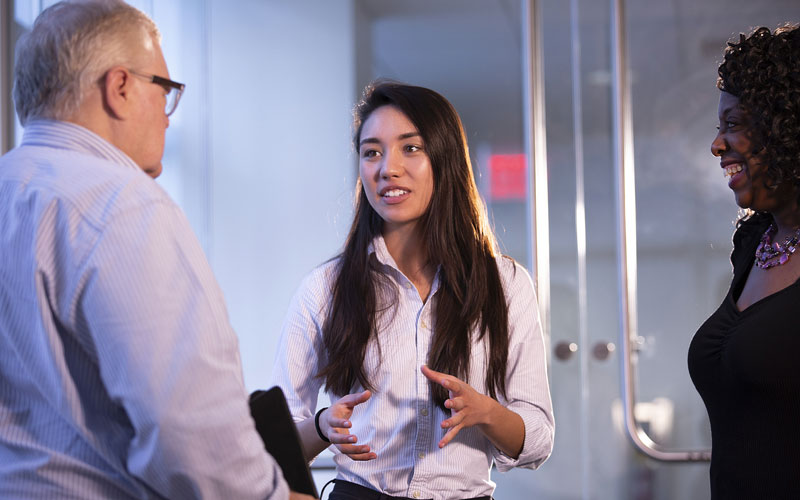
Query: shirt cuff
x=538 y=443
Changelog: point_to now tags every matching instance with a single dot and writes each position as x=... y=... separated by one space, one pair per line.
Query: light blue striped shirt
x=400 y=421
x=120 y=375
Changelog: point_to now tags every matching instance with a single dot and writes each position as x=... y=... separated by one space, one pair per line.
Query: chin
x=153 y=171
x=744 y=201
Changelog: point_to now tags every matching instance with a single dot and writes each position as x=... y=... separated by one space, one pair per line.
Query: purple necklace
x=770 y=254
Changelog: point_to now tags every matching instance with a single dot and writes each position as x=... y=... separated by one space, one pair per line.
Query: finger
x=449 y=436
x=339 y=423
x=354 y=449
x=454 y=404
x=453 y=421
x=353 y=400
x=447 y=381
x=433 y=375
x=363 y=456
x=342 y=438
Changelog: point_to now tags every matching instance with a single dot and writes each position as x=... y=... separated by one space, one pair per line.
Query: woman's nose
x=718 y=145
x=392 y=165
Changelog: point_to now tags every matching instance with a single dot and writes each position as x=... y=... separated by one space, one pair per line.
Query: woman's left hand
x=467 y=406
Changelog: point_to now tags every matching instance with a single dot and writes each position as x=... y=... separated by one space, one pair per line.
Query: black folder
x=275 y=426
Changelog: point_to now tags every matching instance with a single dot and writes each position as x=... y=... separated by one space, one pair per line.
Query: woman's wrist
x=494 y=416
x=321 y=435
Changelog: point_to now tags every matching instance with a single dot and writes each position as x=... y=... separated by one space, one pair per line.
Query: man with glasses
x=120 y=375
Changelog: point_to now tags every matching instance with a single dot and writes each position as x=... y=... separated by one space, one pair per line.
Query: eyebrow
x=374 y=140
x=736 y=108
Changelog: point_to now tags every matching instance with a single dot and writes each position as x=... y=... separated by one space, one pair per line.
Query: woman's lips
x=735 y=173
x=395 y=195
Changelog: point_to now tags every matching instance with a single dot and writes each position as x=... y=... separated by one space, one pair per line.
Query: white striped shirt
x=400 y=422
x=120 y=375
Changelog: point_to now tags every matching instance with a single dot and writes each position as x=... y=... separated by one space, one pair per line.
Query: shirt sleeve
x=169 y=357
x=300 y=349
x=528 y=391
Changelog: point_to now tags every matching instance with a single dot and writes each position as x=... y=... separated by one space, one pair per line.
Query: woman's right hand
x=334 y=423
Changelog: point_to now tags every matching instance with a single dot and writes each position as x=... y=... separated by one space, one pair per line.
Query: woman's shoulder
x=317 y=284
x=520 y=294
x=515 y=278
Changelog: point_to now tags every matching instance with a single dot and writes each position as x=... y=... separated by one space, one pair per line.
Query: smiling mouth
x=732 y=169
x=394 y=193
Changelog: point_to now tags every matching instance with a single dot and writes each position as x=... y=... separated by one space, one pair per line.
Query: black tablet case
x=276 y=427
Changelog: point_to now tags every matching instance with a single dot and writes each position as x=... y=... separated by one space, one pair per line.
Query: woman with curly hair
x=426 y=339
x=744 y=359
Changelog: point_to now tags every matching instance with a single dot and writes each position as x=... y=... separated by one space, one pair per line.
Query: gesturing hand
x=334 y=423
x=467 y=406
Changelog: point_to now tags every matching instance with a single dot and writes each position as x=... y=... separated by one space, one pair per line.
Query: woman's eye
x=413 y=148
x=369 y=153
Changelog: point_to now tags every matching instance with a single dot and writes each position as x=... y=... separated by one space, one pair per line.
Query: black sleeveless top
x=746 y=367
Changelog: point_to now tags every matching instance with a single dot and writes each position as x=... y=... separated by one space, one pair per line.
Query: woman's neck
x=405 y=245
x=786 y=220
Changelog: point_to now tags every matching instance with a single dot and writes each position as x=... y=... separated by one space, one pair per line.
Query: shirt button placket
x=419 y=476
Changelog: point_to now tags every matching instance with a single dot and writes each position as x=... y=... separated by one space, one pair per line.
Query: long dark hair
x=458 y=240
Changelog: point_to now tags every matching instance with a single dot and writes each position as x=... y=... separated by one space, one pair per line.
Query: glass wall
x=684 y=222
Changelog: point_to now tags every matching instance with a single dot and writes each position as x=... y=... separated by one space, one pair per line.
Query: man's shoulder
x=94 y=187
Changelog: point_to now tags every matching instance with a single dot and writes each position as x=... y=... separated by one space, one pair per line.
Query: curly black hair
x=763 y=71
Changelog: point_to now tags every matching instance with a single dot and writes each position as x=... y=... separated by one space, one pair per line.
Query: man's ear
x=117 y=95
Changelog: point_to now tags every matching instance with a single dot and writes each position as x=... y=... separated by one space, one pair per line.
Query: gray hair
x=71 y=46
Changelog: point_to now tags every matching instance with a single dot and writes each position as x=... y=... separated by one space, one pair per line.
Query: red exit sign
x=507 y=177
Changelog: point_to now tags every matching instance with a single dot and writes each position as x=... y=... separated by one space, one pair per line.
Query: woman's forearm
x=312 y=444
x=505 y=429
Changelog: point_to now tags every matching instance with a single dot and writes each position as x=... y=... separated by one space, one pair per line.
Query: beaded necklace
x=770 y=254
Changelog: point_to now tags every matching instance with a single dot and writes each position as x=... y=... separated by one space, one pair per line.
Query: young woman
x=743 y=359
x=426 y=339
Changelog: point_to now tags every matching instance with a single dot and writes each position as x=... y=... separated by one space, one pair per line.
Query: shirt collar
x=377 y=248
x=70 y=136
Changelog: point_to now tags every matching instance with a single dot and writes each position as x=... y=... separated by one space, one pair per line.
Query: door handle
x=602 y=350
x=564 y=350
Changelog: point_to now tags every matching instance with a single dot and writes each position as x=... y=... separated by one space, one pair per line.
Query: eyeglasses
x=174 y=89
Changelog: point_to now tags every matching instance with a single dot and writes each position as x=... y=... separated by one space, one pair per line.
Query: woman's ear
x=117 y=95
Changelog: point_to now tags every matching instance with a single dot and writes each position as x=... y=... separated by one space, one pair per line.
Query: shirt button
x=408 y=286
x=416 y=494
x=421 y=455
x=423 y=324
x=424 y=412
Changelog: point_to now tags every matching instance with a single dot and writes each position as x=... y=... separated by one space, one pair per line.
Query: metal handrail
x=536 y=157
x=6 y=62
x=626 y=231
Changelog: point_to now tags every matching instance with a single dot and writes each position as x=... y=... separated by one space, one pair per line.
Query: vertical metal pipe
x=206 y=126
x=626 y=232
x=536 y=157
x=6 y=70
x=580 y=244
